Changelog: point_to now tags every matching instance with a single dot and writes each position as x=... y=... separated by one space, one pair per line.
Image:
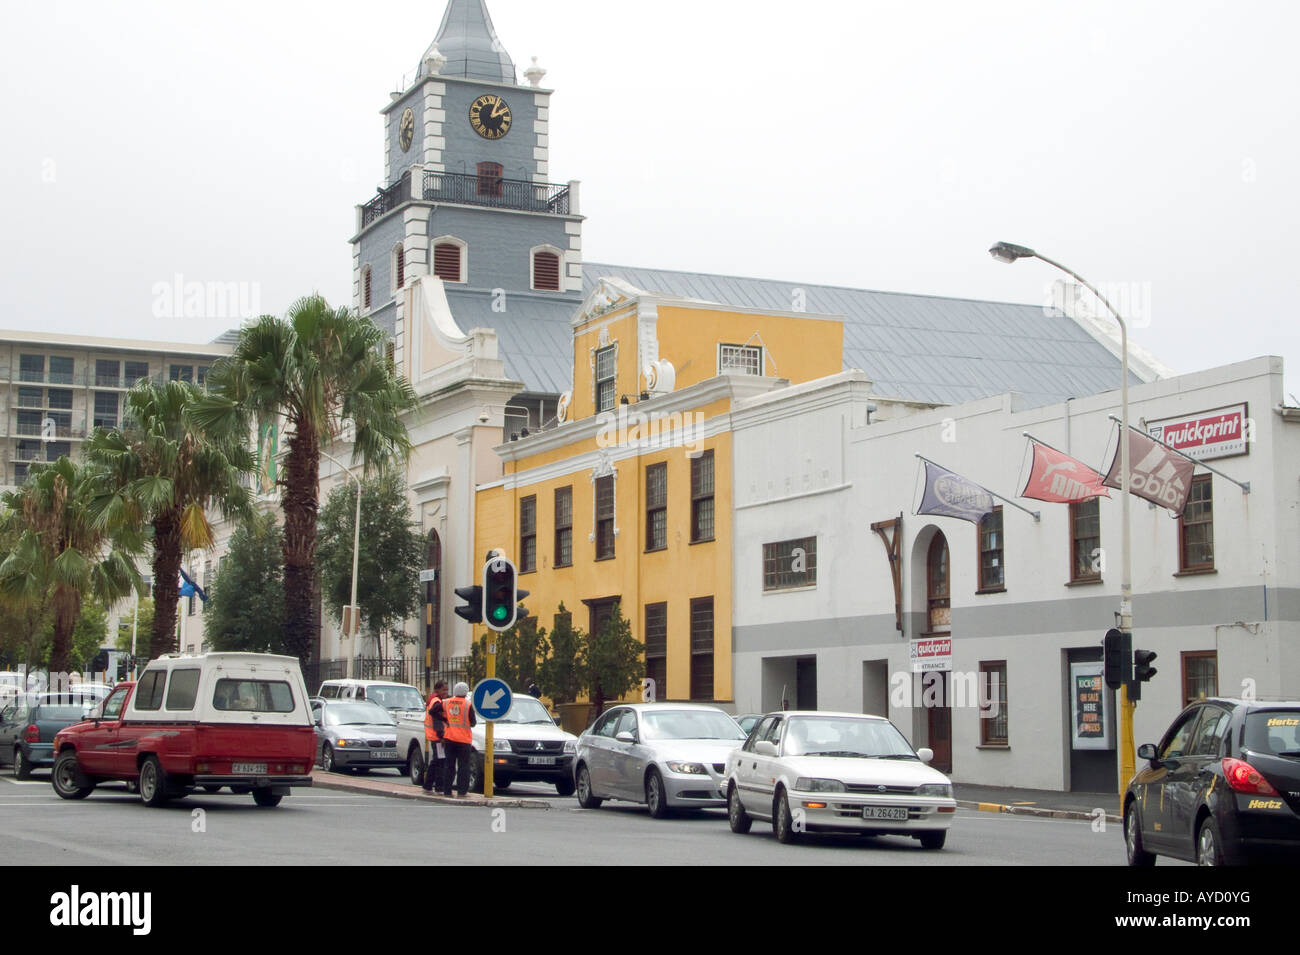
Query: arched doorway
x=938 y=622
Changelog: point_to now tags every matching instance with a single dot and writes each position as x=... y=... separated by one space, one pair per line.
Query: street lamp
x=350 y=625
x=1007 y=252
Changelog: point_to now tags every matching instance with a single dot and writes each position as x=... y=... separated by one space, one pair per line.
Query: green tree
x=614 y=660
x=142 y=626
x=520 y=652
x=246 y=601
x=166 y=472
x=24 y=615
x=88 y=634
x=562 y=675
x=67 y=549
x=390 y=555
x=309 y=373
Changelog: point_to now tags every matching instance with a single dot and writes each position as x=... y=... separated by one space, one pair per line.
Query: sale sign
x=1221 y=433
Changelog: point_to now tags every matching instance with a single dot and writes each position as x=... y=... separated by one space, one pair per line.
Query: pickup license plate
x=884 y=812
x=541 y=760
x=250 y=769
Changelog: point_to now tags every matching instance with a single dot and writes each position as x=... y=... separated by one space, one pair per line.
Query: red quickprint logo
x=1202 y=431
x=933 y=648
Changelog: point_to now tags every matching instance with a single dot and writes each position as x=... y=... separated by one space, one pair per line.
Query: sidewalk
x=1027 y=802
x=1037 y=802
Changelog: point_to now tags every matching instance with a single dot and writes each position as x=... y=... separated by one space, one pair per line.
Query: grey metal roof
x=469 y=42
x=920 y=347
x=534 y=336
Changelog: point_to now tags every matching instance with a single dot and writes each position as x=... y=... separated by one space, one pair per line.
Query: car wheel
x=266 y=799
x=934 y=839
x=153 y=783
x=67 y=777
x=583 y=786
x=736 y=815
x=502 y=784
x=327 y=758
x=22 y=765
x=1137 y=856
x=564 y=787
x=656 y=800
x=1209 y=846
x=415 y=766
x=476 y=773
x=782 y=819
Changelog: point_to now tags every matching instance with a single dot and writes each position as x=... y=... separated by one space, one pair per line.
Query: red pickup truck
x=237 y=720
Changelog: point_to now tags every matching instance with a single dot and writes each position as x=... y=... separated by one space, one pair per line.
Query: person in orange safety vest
x=436 y=757
x=453 y=719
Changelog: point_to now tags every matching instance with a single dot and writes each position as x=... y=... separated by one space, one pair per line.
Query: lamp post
x=350 y=623
x=1007 y=252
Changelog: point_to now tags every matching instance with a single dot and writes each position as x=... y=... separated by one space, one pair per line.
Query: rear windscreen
x=58 y=713
x=254 y=696
x=1276 y=732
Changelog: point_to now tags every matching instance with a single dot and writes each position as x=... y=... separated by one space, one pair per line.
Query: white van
x=397 y=698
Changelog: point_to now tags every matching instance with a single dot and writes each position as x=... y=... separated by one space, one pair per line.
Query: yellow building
x=628 y=498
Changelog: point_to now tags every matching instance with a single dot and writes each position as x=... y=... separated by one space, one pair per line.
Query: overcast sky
x=1151 y=147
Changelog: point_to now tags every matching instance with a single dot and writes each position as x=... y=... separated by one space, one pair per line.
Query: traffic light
x=1142 y=668
x=520 y=610
x=473 y=609
x=499 y=594
x=1119 y=658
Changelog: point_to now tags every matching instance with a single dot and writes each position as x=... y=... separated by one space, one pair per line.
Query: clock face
x=490 y=116
x=407 y=129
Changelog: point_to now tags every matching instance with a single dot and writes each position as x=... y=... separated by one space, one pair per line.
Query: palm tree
x=165 y=472
x=64 y=550
x=308 y=373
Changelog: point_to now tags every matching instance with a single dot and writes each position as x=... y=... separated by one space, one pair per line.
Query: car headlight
x=570 y=745
x=804 y=784
x=935 y=789
x=501 y=746
x=351 y=742
x=690 y=769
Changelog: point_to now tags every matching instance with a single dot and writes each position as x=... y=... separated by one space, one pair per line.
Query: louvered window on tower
x=546 y=271
x=446 y=262
x=400 y=257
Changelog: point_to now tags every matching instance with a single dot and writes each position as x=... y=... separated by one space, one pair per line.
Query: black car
x=1221 y=788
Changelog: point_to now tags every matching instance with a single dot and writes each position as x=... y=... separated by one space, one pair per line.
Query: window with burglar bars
x=1085 y=539
x=702 y=648
x=605 y=517
x=656 y=648
x=993 y=703
x=564 y=527
x=702 y=497
x=1200 y=675
x=605 y=368
x=788 y=564
x=656 y=507
x=1196 y=528
x=528 y=534
x=740 y=360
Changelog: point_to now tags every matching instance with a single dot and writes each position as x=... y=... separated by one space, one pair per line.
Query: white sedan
x=810 y=771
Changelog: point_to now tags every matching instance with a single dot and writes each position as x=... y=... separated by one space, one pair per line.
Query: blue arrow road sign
x=491 y=698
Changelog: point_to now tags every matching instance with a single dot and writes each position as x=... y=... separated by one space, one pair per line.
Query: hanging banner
x=1090 y=721
x=1206 y=435
x=951 y=495
x=1057 y=478
x=1157 y=474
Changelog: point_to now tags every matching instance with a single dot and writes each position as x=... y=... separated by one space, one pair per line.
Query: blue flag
x=951 y=495
x=189 y=588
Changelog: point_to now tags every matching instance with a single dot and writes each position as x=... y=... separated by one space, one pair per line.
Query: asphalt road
x=324 y=827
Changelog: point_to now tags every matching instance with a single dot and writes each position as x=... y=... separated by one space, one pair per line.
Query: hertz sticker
x=1283 y=722
x=1265 y=804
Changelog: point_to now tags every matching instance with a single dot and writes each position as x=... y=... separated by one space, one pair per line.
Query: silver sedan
x=355 y=736
x=666 y=755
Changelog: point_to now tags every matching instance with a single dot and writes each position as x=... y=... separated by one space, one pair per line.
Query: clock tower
x=467 y=195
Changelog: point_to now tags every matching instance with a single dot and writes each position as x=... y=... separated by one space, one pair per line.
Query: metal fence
x=403 y=670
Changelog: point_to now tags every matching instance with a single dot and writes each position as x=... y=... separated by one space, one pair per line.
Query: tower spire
x=469 y=42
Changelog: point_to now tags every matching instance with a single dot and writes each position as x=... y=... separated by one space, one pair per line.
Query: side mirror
x=625 y=737
x=765 y=747
x=925 y=754
x=1147 y=751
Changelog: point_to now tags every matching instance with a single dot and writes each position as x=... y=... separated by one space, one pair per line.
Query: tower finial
x=534 y=73
x=469 y=43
